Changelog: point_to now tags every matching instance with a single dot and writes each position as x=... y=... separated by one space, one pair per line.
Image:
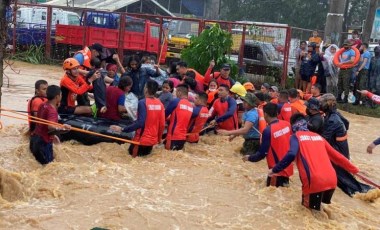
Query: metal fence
x=262 y=50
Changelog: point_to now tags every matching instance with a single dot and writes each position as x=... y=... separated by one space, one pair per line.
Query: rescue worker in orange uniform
x=285 y=110
x=225 y=110
x=198 y=118
x=150 y=123
x=313 y=155
x=296 y=102
x=180 y=111
x=274 y=145
x=71 y=86
x=222 y=78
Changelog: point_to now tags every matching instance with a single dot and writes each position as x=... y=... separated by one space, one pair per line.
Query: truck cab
x=261 y=58
x=37 y=17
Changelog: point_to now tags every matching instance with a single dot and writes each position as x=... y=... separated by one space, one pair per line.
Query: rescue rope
x=365 y=179
x=46 y=122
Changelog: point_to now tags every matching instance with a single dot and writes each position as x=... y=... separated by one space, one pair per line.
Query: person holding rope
x=41 y=141
x=198 y=118
x=313 y=156
x=274 y=146
x=250 y=127
x=335 y=132
x=150 y=123
x=179 y=113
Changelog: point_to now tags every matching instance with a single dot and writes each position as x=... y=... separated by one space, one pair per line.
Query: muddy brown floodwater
x=206 y=186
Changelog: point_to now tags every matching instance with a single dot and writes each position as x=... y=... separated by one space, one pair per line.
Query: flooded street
x=206 y=186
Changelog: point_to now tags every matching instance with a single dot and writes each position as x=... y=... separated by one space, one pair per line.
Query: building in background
x=209 y=9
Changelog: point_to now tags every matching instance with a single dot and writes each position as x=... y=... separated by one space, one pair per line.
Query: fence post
x=84 y=18
x=286 y=57
x=241 y=53
x=160 y=43
x=14 y=22
x=120 y=48
x=48 y=32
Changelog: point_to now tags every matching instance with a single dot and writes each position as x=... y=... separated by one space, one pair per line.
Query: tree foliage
x=310 y=14
x=211 y=44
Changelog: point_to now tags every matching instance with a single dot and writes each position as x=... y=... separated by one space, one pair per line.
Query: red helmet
x=70 y=63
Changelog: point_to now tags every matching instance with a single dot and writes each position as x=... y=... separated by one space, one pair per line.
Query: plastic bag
x=131 y=103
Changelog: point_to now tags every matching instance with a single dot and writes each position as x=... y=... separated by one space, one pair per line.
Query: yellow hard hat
x=238 y=89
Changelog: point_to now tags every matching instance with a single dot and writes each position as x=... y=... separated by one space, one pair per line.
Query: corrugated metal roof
x=110 y=5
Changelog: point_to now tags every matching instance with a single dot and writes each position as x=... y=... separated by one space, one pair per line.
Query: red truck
x=127 y=35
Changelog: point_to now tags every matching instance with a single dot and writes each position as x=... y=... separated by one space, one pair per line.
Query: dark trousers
x=42 y=151
x=344 y=82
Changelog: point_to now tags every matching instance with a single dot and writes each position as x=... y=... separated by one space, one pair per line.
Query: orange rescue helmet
x=70 y=63
x=249 y=86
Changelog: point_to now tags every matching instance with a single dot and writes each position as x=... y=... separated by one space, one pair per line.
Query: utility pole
x=367 y=30
x=334 y=21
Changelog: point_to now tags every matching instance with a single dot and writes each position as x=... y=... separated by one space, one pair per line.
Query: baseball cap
x=226 y=66
x=101 y=50
x=313 y=103
x=346 y=42
x=266 y=85
x=274 y=88
x=251 y=99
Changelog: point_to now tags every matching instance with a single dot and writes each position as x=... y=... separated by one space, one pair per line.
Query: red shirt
x=216 y=75
x=226 y=111
x=200 y=116
x=154 y=126
x=314 y=163
x=47 y=112
x=113 y=94
x=179 y=120
x=286 y=112
x=279 y=145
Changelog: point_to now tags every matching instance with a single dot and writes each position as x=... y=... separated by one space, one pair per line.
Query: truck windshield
x=271 y=52
x=154 y=31
x=134 y=24
x=73 y=19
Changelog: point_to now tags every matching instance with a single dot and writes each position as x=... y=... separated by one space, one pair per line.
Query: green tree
x=211 y=44
x=310 y=14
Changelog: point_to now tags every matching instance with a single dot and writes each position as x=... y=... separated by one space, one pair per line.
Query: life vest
x=274 y=101
x=286 y=112
x=211 y=96
x=179 y=122
x=150 y=134
x=220 y=108
x=34 y=100
x=279 y=145
x=86 y=52
x=198 y=77
x=262 y=122
x=314 y=166
x=299 y=106
x=196 y=125
x=70 y=89
x=112 y=94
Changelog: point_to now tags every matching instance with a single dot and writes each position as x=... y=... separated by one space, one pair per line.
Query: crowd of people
x=178 y=105
x=315 y=63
